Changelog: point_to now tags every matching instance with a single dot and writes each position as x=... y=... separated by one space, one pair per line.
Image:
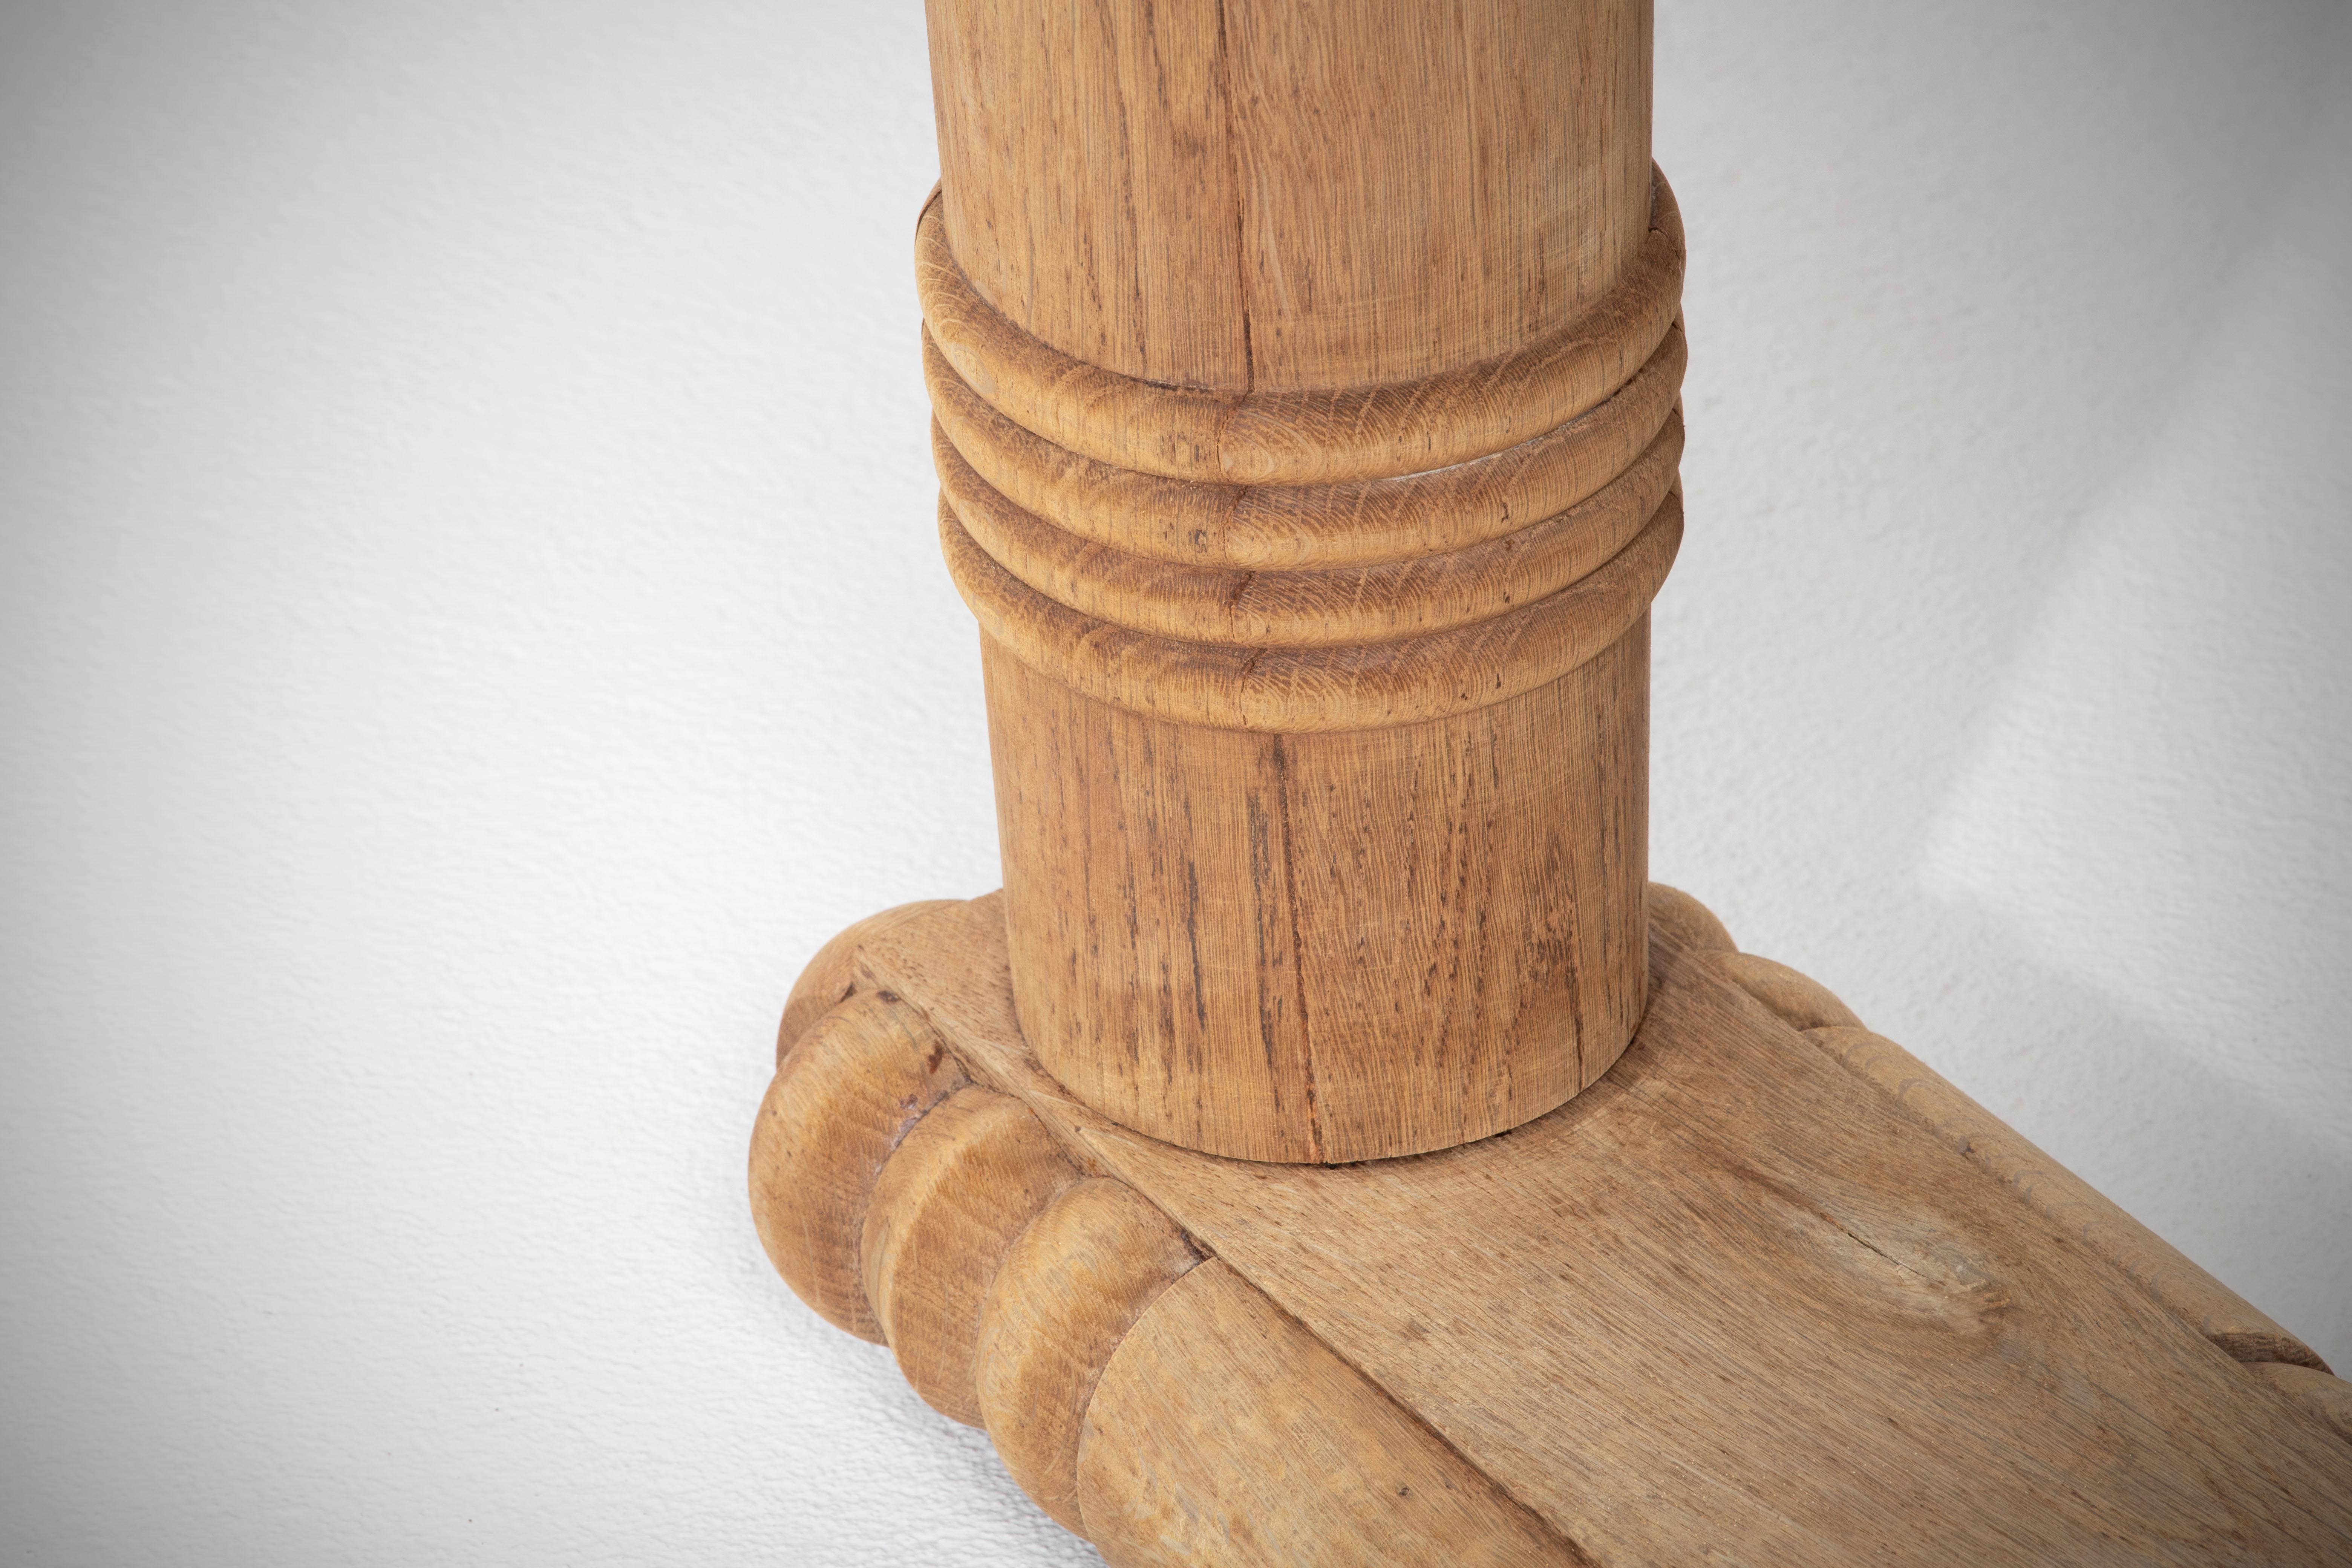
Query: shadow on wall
x=2240 y=1184
x=2155 y=806
x=1947 y=274
x=1999 y=682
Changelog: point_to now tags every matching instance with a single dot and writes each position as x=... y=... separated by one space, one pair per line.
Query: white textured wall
x=469 y=628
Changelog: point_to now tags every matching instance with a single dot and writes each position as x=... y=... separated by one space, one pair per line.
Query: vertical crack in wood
x=1234 y=173
x=1290 y=892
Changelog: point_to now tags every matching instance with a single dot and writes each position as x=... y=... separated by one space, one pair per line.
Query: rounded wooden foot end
x=826 y=982
x=857 y=1081
x=1216 y=1393
x=1162 y=1406
x=1686 y=922
x=1067 y=1293
x=1168 y=1405
x=946 y=1209
x=1797 y=1000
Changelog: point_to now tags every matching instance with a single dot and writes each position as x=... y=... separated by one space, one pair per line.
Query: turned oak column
x=1304 y=377
x=1305 y=374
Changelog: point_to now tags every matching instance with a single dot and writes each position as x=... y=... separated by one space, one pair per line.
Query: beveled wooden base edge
x=941 y=1197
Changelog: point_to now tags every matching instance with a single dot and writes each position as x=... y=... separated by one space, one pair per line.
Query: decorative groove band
x=1349 y=604
x=1361 y=685
x=1308 y=436
x=1292 y=527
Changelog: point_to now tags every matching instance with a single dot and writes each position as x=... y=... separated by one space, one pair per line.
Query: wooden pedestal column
x=1306 y=387
x=1305 y=374
x=1771 y=1292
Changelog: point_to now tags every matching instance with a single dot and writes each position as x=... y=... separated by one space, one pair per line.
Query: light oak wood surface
x=1288 y=527
x=1216 y=1392
x=1305 y=386
x=1734 y=1300
x=1381 y=602
x=852 y=1088
x=2232 y=1324
x=1326 y=947
x=1229 y=198
x=1064 y=1295
x=1329 y=1149
x=1359 y=426
x=2326 y=1398
x=826 y=981
x=965 y=1181
x=1293 y=690
x=2079 y=1209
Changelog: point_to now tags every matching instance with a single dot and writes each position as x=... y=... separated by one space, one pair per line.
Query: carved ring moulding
x=1320 y=718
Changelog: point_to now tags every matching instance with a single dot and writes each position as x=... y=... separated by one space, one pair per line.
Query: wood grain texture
x=2226 y=1319
x=1302 y=527
x=855 y=1083
x=1232 y=195
x=825 y=983
x=2079 y=1210
x=2326 y=1398
x=1379 y=602
x=1429 y=186
x=1305 y=380
x=1090 y=190
x=1797 y=1000
x=1072 y=1285
x=1215 y=1393
x=944 y=1211
x=1170 y=1423
x=1683 y=921
x=1316 y=690
x=1731 y=1303
x=1359 y=424
x=1311 y=371
x=1326 y=947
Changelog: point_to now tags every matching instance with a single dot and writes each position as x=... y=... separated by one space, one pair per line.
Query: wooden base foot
x=1771 y=1291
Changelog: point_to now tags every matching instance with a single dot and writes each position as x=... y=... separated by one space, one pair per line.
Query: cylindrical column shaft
x=1247 y=195
x=1305 y=376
